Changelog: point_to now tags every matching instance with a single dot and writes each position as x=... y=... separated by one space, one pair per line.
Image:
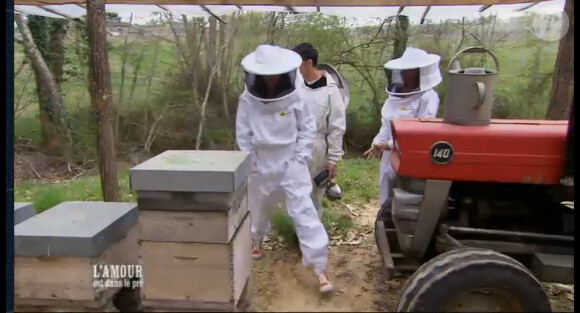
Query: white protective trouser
x=276 y=177
x=318 y=163
x=387 y=177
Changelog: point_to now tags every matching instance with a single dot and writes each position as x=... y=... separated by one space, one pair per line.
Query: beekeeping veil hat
x=270 y=72
x=341 y=82
x=416 y=71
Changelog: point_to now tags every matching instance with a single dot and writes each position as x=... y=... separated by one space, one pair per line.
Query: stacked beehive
x=56 y=253
x=194 y=229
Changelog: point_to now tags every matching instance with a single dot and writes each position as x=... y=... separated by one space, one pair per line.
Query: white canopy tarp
x=144 y=13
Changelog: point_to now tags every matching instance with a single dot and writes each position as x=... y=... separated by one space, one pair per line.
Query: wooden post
x=563 y=83
x=101 y=98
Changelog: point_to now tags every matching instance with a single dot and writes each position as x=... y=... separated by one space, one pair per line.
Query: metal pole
x=493 y=232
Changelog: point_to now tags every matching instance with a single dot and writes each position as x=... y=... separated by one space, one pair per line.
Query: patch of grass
x=47 y=198
x=27 y=127
x=282 y=224
x=222 y=136
x=336 y=220
x=359 y=180
x=357 y=177
x=47 y=195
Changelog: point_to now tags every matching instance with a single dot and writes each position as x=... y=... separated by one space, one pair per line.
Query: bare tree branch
x=370 y=42
x=20 y=68
x=31 y=166
x=175 y=32
x=19 y=108
x=204 y=105
x=153 y=131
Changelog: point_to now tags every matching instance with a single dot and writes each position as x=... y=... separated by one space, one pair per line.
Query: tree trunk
x=149 y=82
x=223 y=75
x=55 y=134
x=203 y=107
x=122 y=85
x=401 y=36
x=136 y=72
x=57 y=51
x=563 y=84
x=272 y=25
x=180 y=49
x=101 y=98
x=82 y=53
x=211 y=47
x=399 y=46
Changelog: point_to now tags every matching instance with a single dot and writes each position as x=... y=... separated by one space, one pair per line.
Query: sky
x=142 y=14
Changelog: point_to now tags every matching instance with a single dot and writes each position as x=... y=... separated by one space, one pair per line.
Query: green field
x=358 y=178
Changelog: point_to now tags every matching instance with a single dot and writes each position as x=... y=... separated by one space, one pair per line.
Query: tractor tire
x=473 y=280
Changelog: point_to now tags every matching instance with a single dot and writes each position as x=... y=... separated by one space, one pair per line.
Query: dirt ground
x=281 y=284
x=32 y=165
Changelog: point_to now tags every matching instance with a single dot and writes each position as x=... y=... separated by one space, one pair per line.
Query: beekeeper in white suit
x=411 y=79
x=275 y=126
x=320 y=91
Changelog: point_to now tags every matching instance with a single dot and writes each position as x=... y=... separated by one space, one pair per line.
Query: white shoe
x=256 y=250
x=324 y=285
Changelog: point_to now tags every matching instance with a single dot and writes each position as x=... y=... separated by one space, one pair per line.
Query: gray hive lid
x=192 y=171
x=81 y=229
x=23 y=211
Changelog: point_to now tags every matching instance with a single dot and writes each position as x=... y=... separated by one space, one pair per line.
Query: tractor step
x=554 y=268
x=394 y=261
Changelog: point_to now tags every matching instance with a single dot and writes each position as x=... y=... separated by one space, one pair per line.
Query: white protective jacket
x=421 y=105
x=275 y=125
x=329 y=111
x=279 y=135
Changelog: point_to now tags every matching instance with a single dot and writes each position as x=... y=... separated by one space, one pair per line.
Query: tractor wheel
x=473 y=280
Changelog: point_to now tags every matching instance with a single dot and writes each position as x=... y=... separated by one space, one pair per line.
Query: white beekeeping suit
x=275 y=126
x=421 y=102
x=329 y=109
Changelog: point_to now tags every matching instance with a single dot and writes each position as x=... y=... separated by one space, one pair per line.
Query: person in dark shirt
x=320 y=91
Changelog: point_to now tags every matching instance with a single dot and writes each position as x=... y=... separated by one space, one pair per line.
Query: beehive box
x=23 y=211
x=55 y=252
x=201 y=227
x=190 y=201
x=196 y=276
x=192 y=171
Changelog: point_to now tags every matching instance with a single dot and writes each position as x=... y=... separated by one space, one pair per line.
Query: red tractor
x=481 y=214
